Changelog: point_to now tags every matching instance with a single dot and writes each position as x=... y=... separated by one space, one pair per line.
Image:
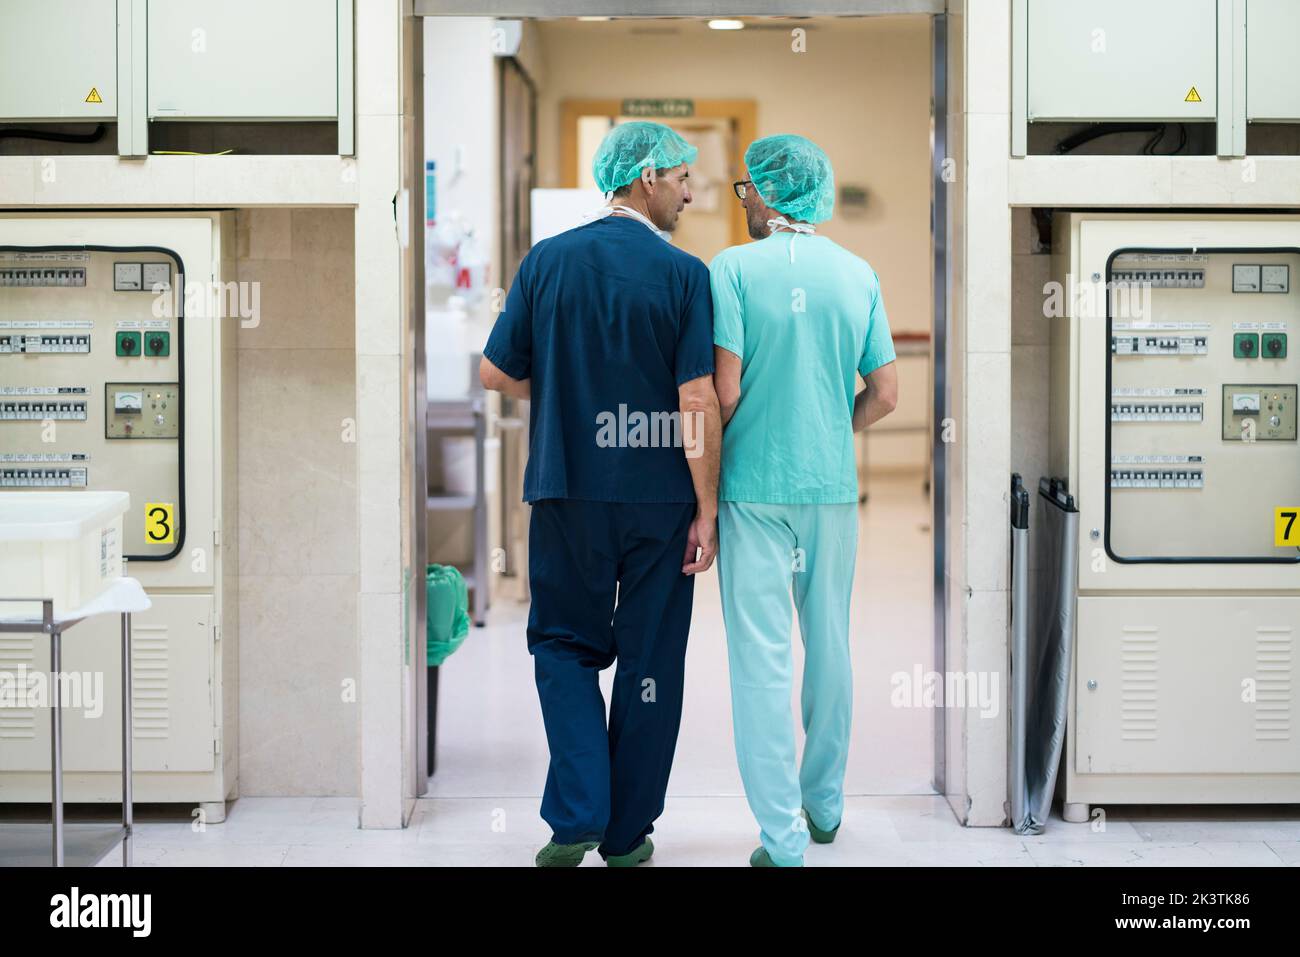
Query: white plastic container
x=458 y=465
x=61 y=545
x=447 y=365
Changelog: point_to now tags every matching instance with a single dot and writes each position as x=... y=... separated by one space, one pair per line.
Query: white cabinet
x=1119 y=60
x=1272 y=73
x=243 y=59
x=174 y=717
x=1185 y=685
x=58 y=60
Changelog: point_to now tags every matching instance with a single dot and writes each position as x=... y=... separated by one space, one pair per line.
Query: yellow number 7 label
x=159 y=527
x=1286 y=526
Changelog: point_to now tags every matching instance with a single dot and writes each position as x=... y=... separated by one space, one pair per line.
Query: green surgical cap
x=630 y=147
x=793 y=176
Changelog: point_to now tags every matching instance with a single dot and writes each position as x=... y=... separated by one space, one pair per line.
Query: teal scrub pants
x=766 y=552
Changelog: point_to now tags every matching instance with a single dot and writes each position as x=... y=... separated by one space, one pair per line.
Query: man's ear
x=648 y=178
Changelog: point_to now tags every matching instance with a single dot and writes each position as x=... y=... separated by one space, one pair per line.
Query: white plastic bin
x=459 y=467
x=447 y=365
x=61 y=545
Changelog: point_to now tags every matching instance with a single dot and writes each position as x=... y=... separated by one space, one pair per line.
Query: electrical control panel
x=91 y=373
x=1201 y=417
x=111 y=379
x=1173 y=420
x=1173 y=411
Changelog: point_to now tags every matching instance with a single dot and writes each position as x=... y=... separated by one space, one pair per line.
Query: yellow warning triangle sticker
x=94 y=97
x=1192 y=96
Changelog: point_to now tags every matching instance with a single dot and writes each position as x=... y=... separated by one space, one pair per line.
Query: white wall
x=977 y=541
x=384 y=431
x=297 y=505
x=1030 y=364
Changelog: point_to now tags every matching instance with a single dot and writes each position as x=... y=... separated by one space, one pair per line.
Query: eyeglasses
x=739 y=187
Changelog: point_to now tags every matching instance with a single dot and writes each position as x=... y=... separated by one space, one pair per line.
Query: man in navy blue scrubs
x=608 y=329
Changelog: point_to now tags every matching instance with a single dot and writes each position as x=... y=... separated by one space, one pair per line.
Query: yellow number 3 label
x=1286 y=527
x=159 y=528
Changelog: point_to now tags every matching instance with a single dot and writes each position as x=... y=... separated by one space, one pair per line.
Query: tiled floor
x=483 y=800
x=902 y=830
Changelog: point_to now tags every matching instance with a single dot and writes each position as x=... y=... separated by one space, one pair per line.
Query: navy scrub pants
x=607 y=783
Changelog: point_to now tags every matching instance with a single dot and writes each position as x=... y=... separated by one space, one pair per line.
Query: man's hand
x=702 y=429
x=701 y=544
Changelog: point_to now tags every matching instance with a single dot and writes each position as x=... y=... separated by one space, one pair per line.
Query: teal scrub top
x=803 y=329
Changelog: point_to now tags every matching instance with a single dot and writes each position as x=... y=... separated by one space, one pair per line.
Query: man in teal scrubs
x=796 y=319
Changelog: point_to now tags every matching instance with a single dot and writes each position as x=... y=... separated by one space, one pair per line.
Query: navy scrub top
x=607 y=320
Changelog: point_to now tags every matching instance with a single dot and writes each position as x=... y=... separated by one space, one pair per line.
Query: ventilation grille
x=16 y=653
x=1273 y=654
x=150 y=682
x=1139 y=701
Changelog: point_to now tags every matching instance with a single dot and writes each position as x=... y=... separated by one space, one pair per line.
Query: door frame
x=941 y=226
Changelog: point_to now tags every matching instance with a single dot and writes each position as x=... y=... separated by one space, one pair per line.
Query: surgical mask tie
x=630 y=212
x=780 y=222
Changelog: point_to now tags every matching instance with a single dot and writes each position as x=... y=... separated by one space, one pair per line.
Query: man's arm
x=878 y=399
x=497 y=381
x=726 y=380
x=702 y=438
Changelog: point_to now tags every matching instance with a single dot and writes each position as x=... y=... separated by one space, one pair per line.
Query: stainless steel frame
x=418 y=411
x=939 y=230
x=48 y=626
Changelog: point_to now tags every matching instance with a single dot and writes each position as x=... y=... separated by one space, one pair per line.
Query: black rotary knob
x=155 y=345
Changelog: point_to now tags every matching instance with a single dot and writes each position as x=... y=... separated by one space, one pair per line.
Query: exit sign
x=658 y=107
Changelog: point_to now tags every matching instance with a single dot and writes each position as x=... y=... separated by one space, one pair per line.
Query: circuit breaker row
x=1157 y=478
x=1161 y=412
x=44 y=478
x=40 y=276
x=29 y=344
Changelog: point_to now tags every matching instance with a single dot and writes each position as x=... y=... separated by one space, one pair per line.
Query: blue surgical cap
x=793 y=175
x=630 y=147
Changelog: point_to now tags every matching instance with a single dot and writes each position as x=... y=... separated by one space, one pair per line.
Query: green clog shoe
x=564 y=855
x=816 y=833
x=633 y=857
x=760 y=858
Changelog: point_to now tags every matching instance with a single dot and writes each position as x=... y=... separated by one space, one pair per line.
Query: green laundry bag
x=448 y=612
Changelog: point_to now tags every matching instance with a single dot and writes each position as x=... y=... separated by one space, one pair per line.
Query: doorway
x=490 y=735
